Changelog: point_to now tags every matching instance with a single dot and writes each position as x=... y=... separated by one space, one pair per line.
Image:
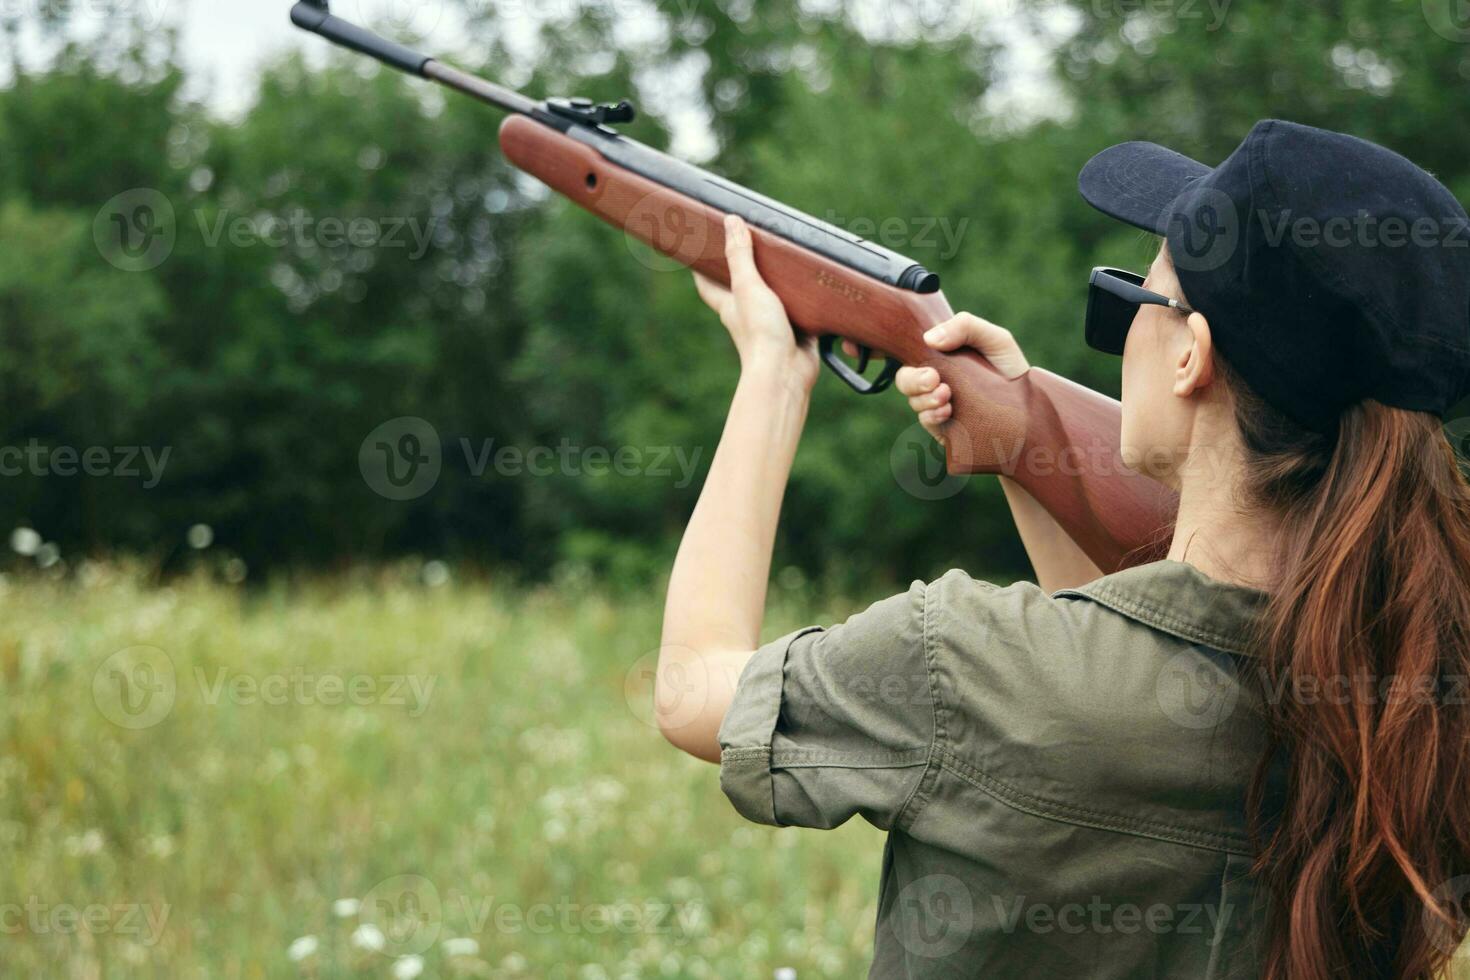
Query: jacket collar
x=1182 y=601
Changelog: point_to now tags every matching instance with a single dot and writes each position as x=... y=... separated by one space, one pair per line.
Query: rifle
x=1058 y=440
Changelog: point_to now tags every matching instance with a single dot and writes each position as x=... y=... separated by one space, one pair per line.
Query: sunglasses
x=1113 y=299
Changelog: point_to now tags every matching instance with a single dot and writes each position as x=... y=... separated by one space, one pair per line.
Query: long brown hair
x=1361 y=809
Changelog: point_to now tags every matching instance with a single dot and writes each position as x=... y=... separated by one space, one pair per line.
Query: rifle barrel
x=479 y=88
x=313 y=16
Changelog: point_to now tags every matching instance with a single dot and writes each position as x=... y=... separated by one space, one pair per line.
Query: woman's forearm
x=1059 y=562
x=717 y=592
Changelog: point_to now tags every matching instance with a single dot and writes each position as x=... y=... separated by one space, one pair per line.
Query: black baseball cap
x=1332 y=270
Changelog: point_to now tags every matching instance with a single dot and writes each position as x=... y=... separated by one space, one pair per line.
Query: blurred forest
x=259 y=346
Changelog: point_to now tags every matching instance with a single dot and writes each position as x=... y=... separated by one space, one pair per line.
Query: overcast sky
x=226 y=41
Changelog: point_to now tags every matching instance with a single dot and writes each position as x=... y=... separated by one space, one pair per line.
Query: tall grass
x=491 y=776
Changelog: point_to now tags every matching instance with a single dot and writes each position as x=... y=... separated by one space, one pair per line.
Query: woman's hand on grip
x=931 y=398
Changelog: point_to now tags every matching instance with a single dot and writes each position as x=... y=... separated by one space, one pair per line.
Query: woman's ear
x=1196 y=366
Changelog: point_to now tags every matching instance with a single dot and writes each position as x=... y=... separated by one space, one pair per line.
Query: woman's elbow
x=687 y=716
x=697 y=735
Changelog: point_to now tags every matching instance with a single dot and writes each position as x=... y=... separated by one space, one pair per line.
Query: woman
x=1248 y=760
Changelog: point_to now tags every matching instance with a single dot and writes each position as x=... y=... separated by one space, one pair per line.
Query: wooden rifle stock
x=1056 y=439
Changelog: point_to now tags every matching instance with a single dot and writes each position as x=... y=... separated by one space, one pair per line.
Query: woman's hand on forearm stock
x=717 y=592
x=755 y=317
x=1058 y=561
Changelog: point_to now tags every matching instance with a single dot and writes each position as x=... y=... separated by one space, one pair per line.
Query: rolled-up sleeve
x=828 y=724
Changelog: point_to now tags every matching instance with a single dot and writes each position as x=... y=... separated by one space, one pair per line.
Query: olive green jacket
x=1062 y=776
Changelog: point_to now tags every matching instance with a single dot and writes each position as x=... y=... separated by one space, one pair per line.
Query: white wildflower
x=408 y=967
x=345 y=908
x=461 y=946
x=25 y=541
x=301 y=948
x=369 y=937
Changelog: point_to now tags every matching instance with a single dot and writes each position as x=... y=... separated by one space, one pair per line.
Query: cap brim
x=1137 y=183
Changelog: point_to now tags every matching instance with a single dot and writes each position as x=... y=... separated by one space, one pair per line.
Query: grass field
x=369 y=777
